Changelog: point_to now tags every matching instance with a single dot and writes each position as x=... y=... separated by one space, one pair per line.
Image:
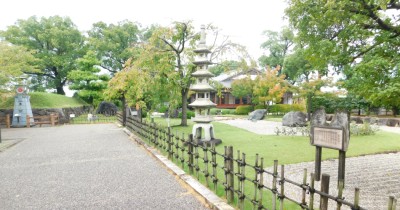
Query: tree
x=14 y=61
x=269 y=87
x=278 y=45
x=243 y=87
x=114 y=43
x=57 y=43
x=359 y=38
x=87 y=80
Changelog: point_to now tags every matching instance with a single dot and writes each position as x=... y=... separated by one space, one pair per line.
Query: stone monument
x=22 y=106
x=202 y=103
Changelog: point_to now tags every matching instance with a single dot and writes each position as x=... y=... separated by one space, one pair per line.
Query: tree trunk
x=184 y=93
x=60 y=90
x=395 y=111
x=309 y=104
x=123 y=110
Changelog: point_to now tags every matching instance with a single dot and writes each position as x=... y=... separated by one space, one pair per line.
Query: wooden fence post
x=282 y=186
x=214 y=166
x=28 y=121
x=229 y=174
x=169 y=143
x=392 y=203
x=52 y=120
x=274 y=189
x=318 y=155
x=312 y=191
x=8 y=124
x=324 y=189
x=303 y=199
x=190 y=153
x=340 y=194
x=356 y=198
x=261 y=184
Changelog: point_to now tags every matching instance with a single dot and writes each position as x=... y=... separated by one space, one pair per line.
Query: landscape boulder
x=294 y=119
x=107 y=108
x=257 y=114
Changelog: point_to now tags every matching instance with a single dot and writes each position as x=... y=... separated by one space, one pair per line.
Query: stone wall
x=62 y=112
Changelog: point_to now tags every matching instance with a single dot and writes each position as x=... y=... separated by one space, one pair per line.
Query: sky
x=243 y=21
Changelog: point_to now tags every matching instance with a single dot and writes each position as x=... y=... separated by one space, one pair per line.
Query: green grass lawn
x=45 y=100
x=289 y=149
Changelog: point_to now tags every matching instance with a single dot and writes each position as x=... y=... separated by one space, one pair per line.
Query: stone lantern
x=202 y=103
x=22 y=106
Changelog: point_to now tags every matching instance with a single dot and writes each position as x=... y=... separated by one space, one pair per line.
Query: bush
x=243 y=109
x=260 y=106
x=189 y=114
x=144 y=114
x=364 y=129
x=285 y=108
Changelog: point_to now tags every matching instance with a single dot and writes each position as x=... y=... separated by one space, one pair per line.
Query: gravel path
x=85 y=167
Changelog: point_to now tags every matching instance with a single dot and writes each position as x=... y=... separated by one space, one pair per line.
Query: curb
x=210 y=198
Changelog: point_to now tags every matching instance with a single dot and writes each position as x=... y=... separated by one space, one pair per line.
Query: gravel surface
x=85 y=167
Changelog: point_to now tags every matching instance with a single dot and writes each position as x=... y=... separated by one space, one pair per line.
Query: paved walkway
x=377 y=176
x=85 y=167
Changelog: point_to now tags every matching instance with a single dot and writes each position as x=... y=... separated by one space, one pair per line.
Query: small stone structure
x=257 y=114
x=202 y=89
x=107 y=108
x=22 y=108
x=294 y=119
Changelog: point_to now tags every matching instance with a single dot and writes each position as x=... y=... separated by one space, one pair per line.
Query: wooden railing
x=6 y=120
x=244 y=183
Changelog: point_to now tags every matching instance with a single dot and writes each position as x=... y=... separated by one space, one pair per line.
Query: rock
x=107 y=108
x=341 y=120
x=295 y=119
x=393 y=122
x=257 y=114
x=319 y=117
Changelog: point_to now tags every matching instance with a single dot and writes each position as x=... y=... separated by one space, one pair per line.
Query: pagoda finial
x=203 y=35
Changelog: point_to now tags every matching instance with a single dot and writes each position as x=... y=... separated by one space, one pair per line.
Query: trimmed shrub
x=189 y=114
x=243 y=109
x=260 y=106
x=280 y=109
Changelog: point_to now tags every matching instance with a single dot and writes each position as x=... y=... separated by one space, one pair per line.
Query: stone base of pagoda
x=208 y=137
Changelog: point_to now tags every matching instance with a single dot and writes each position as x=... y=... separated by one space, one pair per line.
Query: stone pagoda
x=202 y=103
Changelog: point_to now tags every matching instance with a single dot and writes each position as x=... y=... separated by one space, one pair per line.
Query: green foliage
x=361 y=40
x=332 y=102
x=285 y=108
x=242 y=87
x=57 y=44
x=189 y=113
x=225 y=66
x=45 y=100
x=364 y=129
x=244 y=109
x=14 y=61
x=260 y=106
x=113 y=43
x=87 y=81
x=277 y=47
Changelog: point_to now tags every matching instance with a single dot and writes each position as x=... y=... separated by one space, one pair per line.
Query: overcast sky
x=242 y=21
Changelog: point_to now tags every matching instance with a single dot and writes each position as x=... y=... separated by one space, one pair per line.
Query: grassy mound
x=45 y=100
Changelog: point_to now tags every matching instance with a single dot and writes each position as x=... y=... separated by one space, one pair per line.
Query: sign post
x=335 y=135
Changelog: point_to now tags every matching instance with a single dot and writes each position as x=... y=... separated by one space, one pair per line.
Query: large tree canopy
x=360 y=38
x=113 y=43
x=57 y=43
x=14 y=61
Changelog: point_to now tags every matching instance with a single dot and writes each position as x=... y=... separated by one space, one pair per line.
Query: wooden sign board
x=328 y=137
